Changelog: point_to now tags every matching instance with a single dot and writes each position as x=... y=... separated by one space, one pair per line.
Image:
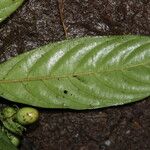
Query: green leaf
x=7 y=7
x=83 y=73
x=5 y=143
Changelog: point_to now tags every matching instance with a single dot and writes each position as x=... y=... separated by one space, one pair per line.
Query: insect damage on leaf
x=82 y=73
x=7 y=7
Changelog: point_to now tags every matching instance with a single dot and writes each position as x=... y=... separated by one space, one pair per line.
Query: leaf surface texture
x=81 y=73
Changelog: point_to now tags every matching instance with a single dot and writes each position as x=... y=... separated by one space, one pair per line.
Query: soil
x=39 y=22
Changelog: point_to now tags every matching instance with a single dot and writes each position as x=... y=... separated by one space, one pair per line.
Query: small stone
x=107 y=142
x=128 y=132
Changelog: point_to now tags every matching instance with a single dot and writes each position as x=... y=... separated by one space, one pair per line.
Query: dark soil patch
x=38 y=22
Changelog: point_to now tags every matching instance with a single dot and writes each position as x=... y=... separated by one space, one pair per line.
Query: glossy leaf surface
x=83 y=73
x=7 y=7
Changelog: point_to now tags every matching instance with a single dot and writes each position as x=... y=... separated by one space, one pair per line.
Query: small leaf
x=84 y=73
x=5 y=143
x=7 y=7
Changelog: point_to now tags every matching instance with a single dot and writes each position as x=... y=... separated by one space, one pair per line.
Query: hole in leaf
x=65 y=91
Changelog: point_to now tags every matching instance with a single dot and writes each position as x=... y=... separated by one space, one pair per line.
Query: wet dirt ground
x=39 y=22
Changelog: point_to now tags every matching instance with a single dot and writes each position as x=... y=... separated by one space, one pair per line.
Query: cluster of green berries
x=13 y=121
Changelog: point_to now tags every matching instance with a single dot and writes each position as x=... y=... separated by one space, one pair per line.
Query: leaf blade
x=84 y=73
x=7 y=7
x=5 y=143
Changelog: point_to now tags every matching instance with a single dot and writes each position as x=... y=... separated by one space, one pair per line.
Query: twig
x=61 y=11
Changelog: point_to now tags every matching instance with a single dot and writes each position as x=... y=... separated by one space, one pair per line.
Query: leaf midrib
x=90 y=73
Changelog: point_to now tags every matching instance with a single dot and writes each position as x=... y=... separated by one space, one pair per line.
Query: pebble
x=107 y=142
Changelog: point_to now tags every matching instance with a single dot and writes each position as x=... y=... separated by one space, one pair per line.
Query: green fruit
x=8 y=112
x=27 y=115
